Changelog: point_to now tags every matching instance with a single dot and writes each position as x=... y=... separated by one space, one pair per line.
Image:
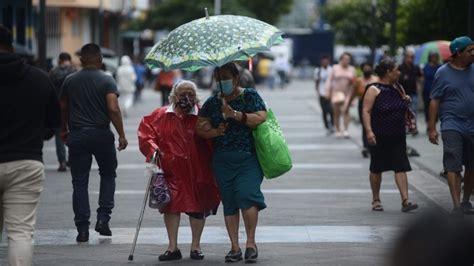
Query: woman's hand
x=228 y=111
x=371 y=138
x=220 y=130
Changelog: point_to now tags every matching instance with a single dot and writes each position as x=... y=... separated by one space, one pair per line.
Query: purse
x=159 y=191
x=410 y=117
x=271 y=148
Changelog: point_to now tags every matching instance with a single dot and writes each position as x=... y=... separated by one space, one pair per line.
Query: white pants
x=21 y=183
x=126 y=99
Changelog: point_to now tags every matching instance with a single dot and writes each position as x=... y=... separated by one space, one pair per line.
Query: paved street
x=318 y=214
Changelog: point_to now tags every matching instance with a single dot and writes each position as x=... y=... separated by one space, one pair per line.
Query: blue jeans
x=60 y=147
x=83 y=143
x=414 y=104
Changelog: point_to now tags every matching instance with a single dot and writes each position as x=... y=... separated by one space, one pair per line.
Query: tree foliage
x=354 y=21
x=418 y=21
x=169 y=14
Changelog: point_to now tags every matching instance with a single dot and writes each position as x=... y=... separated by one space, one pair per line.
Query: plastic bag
x=159 y=191
x=272 y=150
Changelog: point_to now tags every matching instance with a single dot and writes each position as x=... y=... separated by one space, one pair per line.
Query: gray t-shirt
x=86 y=92
x=455 y=90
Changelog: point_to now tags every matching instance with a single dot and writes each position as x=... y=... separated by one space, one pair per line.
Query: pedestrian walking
x=126 y=78
x=361 y=86
x=28 y=105
x=140 y=71
x=57 y=76
x=410 y=75
x=186 y=162
x=340 y=85
x=89 y=102
x=452 y=98
x=321 y=75
x=384 y=109
x=234 y=161
x=164 y=84
x=429 y=71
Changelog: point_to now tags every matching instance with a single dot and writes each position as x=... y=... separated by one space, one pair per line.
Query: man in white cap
x=452 y=98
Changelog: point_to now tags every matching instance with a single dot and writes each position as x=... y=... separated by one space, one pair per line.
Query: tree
x=418 y=21
x=426 y=20
x=170 y=14
x=354 y=22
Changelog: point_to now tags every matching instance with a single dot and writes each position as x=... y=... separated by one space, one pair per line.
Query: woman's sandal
x=408 y=206
x=377 y=206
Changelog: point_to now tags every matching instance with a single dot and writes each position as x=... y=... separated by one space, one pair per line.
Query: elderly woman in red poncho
x=185 y=159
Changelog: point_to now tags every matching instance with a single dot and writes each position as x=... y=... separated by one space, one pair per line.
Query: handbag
x=410 y=117
x=159 y=191
x=271 y=148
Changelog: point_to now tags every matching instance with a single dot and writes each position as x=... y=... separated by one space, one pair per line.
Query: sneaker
x=251 y=255
x=103 y=228
x=345 y=134
x=466 y=207
x=338 y=134
x=170 y=255
x=233 y=256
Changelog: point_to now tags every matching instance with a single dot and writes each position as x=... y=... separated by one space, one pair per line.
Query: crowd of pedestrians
x=207 y=151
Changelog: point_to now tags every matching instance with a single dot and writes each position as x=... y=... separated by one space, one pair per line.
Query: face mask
x=227 y=86
x=367 y=74
x=185 y=103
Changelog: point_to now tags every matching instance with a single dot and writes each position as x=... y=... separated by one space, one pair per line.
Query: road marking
x=293 y=147
x=285 y=191
x=300 y=166
x=218 y=235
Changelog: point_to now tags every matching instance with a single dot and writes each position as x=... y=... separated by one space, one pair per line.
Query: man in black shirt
x=89 y=102
x=57 y=75
x=409 y=76
x=28 y=105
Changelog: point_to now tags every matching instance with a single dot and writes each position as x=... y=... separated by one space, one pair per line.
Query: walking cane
x=140 y=217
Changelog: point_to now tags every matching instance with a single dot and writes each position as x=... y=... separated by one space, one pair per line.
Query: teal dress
x=234 y=162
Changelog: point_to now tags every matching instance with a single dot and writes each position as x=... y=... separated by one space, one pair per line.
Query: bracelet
x=235 y=114
x=244 y=118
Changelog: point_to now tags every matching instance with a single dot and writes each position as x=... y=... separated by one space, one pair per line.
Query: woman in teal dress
x=228 y=119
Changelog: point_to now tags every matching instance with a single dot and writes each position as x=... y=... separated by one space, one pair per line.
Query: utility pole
x=42 y=35
x=393 y=28
x=217 y=7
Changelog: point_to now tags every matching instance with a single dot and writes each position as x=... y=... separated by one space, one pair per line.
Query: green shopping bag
x=272 y=150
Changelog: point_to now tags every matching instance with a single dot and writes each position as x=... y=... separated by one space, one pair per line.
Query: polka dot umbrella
x=439 y=47
x=213 y=41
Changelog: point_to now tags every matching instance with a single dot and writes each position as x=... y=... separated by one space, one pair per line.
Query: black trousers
x=326 y=108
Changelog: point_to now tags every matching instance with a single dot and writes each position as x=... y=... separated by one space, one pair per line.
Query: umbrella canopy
x=213 y=41
x=439 y=47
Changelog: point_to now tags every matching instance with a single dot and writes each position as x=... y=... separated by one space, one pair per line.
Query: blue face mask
x=227 y=86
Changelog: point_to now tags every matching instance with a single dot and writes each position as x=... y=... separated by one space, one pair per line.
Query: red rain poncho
x=186 y=160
